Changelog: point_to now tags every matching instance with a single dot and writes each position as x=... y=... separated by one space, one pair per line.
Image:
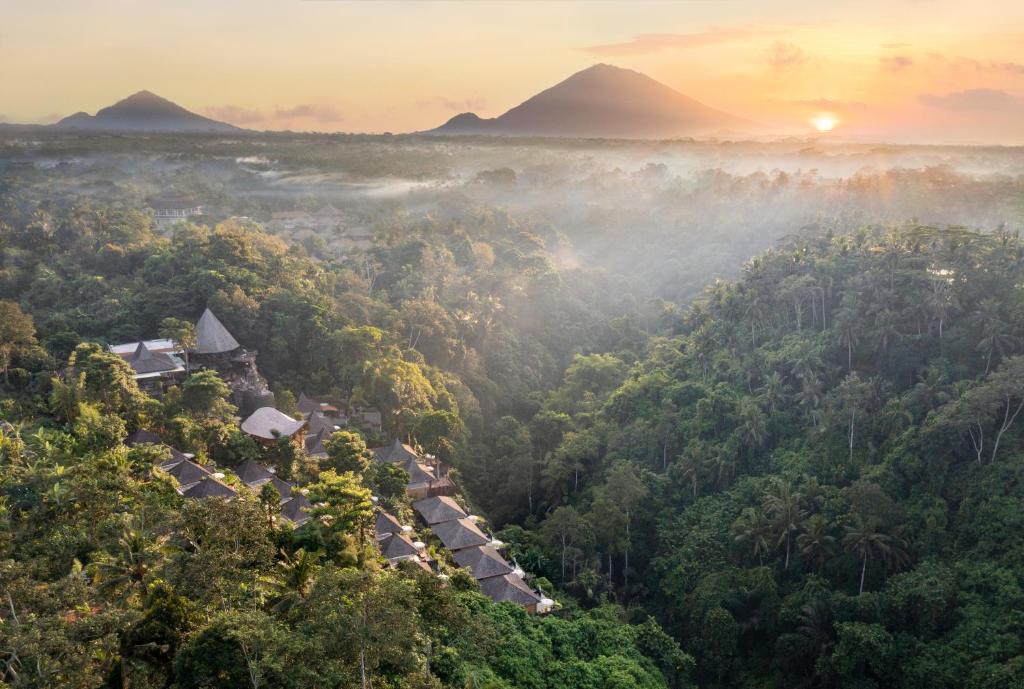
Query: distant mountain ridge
x=602 y=101
x=144 y=112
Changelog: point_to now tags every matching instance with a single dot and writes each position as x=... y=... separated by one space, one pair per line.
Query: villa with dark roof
x=459 y=533
x=209 y=487
x=296 y=509
x=510 y=587
x=187 y=472
x=438 y=509
x=385 y=523
x=482 y=562
x=395 y=547
x=158 y=363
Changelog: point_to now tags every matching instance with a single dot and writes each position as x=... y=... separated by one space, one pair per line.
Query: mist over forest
x=735 y=413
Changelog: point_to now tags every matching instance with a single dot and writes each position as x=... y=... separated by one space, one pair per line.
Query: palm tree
x=183 y=333
x=810 y=396
x=816 y=544
x=123 y=571
x=940 y=302
x=815 y=626
x=772 y=390
x=753 y=528
x=886 y=329
x=691 y=468
x=752 y=423
x=994 y=331
x=292 y=580
x=782 y=504
x=865 y=539
x=722 y=467
x=847 y=328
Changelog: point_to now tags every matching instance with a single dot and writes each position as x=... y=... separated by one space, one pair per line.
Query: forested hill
x=810 y=478
x=111 y=578
x=820 y=482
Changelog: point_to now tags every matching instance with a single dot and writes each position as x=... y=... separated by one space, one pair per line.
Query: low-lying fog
x=673 y=215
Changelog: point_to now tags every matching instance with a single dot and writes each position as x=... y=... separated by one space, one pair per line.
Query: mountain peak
x=144 y=111
x=602 y=101
x=143 y=96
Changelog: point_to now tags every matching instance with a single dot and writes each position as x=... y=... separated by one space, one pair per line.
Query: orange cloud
x=234 y=114
x=782 y=55
x=313 y=113
x=989 y=100
x=897 y=63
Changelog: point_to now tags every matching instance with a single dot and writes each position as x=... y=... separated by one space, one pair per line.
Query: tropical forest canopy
x=750 y=427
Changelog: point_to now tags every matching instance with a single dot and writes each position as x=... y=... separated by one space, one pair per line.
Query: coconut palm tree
x=994 y=330
x=123 y=571
x=816 y=544
x=865 y=539
x=292 y=580
x=782 y=504
x=754 y=529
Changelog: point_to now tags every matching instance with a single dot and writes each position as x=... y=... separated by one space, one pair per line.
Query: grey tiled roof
x=252 y=473
x=439 y=509
x=143 y=360
x=418 y=473
x=142 y=436
x=386 y=523
x=396 y=452
x=482 y=562
x=284 y=488
x=315 y=443
x=294 y=509
x=395 y=545
x=307 y=405
x=186 y=471
x=209 y=487
x=508 y=587
x=458 y=534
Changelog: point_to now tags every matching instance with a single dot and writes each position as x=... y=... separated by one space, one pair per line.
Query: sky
x=887 y=70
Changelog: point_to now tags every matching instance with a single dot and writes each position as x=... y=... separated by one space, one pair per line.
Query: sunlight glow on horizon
x=957 y=75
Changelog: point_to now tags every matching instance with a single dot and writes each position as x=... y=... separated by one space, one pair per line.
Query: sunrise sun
x=824 y=123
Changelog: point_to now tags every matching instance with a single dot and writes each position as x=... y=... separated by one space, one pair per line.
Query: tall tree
x=182 y=333
x=782 y=504
x=16 y=330
x=865 y=539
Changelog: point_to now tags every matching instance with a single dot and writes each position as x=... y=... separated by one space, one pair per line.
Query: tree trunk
x=1008 y=420
x=977 y=440
x=786 y=566
x=625 y=565
x=863 y=571
x=563 y=559
x=853 y=417
x=529 y=485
